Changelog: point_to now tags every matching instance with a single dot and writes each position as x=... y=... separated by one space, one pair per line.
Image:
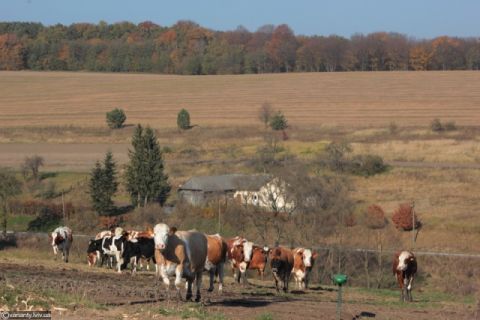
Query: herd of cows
x=187 y=254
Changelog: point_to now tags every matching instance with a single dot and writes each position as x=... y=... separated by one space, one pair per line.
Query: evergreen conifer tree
x=145 y=177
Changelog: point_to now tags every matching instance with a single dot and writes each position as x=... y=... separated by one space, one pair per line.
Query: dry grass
x=358 y=99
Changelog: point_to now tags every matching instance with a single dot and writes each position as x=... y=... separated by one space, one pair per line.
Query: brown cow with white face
x=181 y=254
x=404 y=267
x=216 y=257
x=281 y=262
x=239 y=253
x=302 y=266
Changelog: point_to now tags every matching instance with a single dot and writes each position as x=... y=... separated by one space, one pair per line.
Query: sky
x=416 y=18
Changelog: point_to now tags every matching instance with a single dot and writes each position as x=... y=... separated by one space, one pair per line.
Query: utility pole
x=413 y=225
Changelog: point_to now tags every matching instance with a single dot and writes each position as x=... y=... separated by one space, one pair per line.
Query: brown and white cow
x=404 y=267
x=259 y=260
x=181 y=254
x=61 y=239
x=303 y=260
x=281 y=262
x=239 y=254
x=216 y=257
x=103 y=234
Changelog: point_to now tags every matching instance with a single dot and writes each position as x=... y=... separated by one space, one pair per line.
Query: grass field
x=358 y=99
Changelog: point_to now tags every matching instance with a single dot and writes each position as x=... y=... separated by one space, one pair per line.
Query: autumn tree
x=31 y=166
x=282 y=48
x=12 y=52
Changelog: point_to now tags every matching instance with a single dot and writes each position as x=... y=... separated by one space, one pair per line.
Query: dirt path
x=142 y=296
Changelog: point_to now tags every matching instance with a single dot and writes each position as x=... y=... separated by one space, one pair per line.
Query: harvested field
x=369 y=98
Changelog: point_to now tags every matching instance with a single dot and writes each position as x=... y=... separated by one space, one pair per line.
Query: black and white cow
x=136 y=249
x=114 y=247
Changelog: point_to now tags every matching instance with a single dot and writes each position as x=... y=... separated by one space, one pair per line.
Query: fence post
x=413 y=225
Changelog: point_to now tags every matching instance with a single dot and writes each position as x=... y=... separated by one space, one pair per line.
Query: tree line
x=188 y=48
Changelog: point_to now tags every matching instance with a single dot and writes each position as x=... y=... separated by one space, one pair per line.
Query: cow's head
x=247 y=250
x=404 y=259
x=276 y=262
x=307 y=258
x=56 y=238
x=161 y=233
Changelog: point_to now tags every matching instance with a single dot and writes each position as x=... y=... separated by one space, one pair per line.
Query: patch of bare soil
x=143 y=297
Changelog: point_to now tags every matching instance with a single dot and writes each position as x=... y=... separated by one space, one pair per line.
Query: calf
x=281 y=262
x=404 y=267
x=180 y=253
x=61 y=239
x=303 y=261
x=216 y=256
x=259 y=260
x=136 y=249
x=239 y=253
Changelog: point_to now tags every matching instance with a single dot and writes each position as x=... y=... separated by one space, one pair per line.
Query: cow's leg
x=404 y=289
x=286 y=278
x=67 y=253
x=275 y=277
x=220 y=276
x=211 y=273
x=243 y=272
x=409 y=289
x=55 y=251
x=198 y=278
x=119 y=261
x=163 y=274
x=178 y=280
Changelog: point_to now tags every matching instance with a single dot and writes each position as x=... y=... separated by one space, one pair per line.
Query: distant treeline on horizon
x=188 y=48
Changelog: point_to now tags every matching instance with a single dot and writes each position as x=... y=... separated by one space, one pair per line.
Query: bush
x=436 y=125
x=367 y=165
x=450 y=126
x=402 y=218
x=116 y=118
x=375 y=217
x=46 y=221
x=183 y=119
x=278 y=121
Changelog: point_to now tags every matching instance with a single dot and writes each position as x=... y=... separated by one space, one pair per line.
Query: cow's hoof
x=188 y=297
x=197 y=298
x=210 y=289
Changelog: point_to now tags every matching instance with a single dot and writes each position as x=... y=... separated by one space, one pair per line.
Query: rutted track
x=123 y=293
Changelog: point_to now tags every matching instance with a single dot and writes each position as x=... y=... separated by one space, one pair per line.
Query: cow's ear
x=172 y=231
x=314 y=255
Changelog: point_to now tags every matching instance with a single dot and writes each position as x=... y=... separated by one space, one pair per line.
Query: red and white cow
x=61 y=239
x=180 y=253
x=404 y=267
x=239 y=253
x=216 y=257
x=303 y=260
x=259 y=260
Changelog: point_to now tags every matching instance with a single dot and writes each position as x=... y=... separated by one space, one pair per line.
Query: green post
x=339 y=280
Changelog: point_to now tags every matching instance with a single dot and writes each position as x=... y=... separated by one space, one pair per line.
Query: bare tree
x=265 y=113
x=31 y=165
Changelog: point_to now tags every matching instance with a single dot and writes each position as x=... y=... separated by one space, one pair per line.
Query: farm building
x=260 y=190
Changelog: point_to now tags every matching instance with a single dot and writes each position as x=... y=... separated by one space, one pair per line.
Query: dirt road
x=108 y=295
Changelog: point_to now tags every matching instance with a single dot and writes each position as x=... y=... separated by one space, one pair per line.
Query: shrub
x=375 y=217
x=183 y=120
x=46 y=221
x=436 y=125
x=336 y=155
x=367 y=165
x=402 y=218
x=116 y=118
x=278 y=121
x=450 y=126
x=393 y=127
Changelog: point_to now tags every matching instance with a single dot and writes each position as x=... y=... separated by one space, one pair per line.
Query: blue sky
x=417 y=18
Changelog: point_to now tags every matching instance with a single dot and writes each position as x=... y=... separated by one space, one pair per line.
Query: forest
x=188 y=48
